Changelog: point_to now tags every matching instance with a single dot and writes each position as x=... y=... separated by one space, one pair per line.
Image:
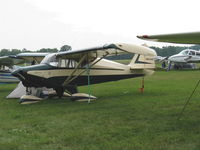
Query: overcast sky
x=36 y=24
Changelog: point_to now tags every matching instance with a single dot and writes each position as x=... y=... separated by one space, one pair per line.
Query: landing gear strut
x=59 y=91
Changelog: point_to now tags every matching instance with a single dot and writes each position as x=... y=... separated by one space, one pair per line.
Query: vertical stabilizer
x=142 y=62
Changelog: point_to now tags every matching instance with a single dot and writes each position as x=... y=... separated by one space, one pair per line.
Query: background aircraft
x=180 y=60
x=67 y=70
x=186 y=56
x=7 y=64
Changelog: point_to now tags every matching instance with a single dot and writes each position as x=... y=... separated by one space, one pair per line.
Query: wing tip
x=143 y=36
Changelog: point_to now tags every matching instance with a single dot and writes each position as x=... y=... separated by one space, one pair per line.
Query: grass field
x=121 y=118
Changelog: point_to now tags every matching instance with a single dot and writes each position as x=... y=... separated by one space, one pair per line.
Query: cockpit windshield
x=52 y=60
x=185 y=52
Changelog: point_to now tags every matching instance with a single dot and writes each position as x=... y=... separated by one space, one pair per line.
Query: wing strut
x=89 y=66
x=75 y=69
x=88 y=76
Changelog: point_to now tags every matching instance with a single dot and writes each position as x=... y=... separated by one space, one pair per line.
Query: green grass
x=124 y=61
x=121 y=119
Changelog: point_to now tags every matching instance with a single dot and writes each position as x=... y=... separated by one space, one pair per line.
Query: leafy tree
x=4 y=52
x=168 y=50
x=50 y=50
x=65 y=48
x=15 y=51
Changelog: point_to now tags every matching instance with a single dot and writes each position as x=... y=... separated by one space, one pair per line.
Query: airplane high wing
x=181 y=38
x=108 y=50
x=91 y=54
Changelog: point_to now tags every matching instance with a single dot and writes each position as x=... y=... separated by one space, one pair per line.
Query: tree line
x=161 y=51
x=8 y=52
x=172 y=50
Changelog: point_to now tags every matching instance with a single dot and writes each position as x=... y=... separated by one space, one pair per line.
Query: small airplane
x=64 y=71
x=184 y=57
x=8 y=64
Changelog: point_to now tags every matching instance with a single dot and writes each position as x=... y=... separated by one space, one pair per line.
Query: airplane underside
x=71 y=88
x=53 y=82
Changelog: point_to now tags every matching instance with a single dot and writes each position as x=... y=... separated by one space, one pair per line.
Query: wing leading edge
x=106 y=50
x=181 y=38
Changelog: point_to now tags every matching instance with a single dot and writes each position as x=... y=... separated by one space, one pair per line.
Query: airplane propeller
x=166 y=63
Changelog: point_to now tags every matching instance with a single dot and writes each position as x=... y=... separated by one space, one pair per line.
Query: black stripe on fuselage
x=58 y=68
x=35 y=81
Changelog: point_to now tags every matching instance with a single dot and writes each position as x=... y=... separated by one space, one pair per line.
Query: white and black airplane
x=67 y=70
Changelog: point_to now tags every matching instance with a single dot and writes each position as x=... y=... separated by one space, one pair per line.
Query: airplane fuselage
x=186 y=56
x=45 y=75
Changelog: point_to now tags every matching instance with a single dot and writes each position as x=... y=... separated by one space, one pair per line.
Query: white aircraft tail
x=140 y=61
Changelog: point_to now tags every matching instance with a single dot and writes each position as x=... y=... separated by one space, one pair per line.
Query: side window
x=192 y=53
x=198 y=53
x=62 y=63
x=67 y=63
